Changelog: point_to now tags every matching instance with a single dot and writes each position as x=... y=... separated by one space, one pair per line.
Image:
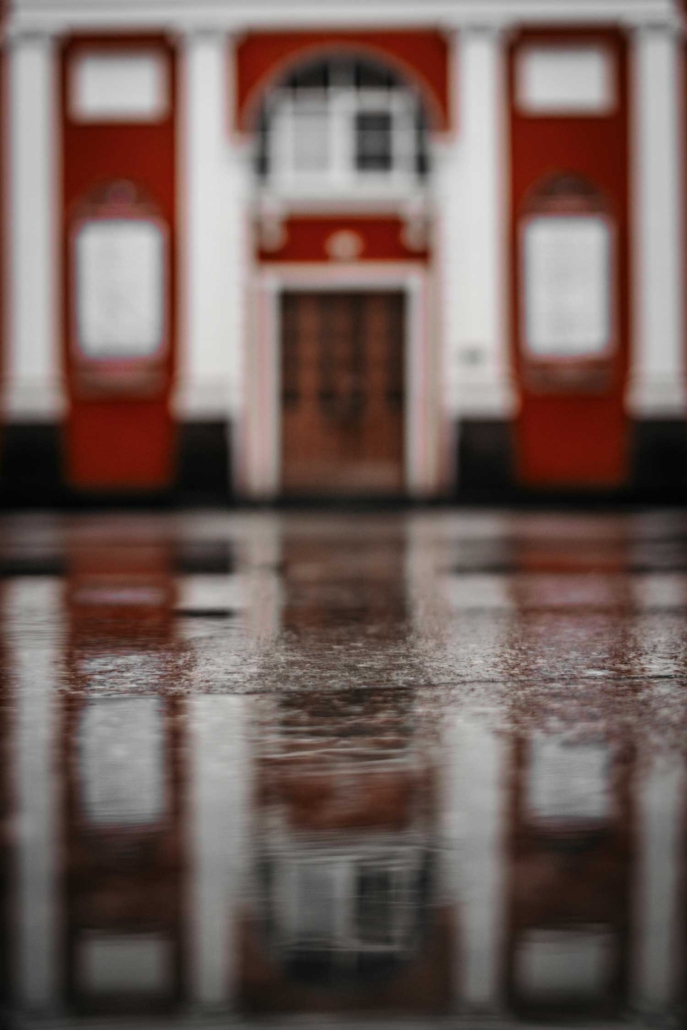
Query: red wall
x=115 y=439
x=306 y=238
x=573 y=439
x=262 y=57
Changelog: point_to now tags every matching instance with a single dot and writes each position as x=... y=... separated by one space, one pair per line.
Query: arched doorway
x=342 y=161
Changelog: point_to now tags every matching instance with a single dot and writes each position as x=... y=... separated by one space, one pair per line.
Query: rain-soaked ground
x=425 y=767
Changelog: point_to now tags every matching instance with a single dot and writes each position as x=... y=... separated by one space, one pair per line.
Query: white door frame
x=260 y=448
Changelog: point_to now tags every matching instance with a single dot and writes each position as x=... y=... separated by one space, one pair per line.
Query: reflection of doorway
x=343 y=392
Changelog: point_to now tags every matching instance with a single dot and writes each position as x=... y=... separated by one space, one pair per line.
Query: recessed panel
x=118 y=87
x=124 y=964
x=570 y=964
x=567 y=780
x=564 y=80
x=122 y=761
x=567 y=285
x=120 y=288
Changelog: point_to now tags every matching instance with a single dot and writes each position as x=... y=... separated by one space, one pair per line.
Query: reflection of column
x=32 y=389
x=214 y=224
x=656 y=975
x=33 y=662
x=220 y=786
x=472 y=217
x=657 y=385
x=474 y=814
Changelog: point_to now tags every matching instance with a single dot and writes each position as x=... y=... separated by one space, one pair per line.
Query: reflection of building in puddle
x=337 y=579
x=8 y=730
x=123 y=849
x=346 y=912
x=570 y=876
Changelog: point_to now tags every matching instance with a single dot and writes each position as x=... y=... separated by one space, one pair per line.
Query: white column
x=33 y=384
x=220 y=789
x=474 y=817
x=657 y=378
x=213 y=221
x=473 y=230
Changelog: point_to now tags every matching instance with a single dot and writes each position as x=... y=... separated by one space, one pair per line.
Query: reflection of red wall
x=119 y=441
x=421 y=55
x=306 y=240
x=570 y=873
x=573 y=438
x=121 y=880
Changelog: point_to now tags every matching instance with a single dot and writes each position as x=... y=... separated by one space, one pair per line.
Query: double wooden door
x=342 y=391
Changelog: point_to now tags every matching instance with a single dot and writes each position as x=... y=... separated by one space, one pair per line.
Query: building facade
x=268 y=250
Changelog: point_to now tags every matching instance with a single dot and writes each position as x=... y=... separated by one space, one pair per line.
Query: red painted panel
x=123 y=437
x=307 y=239
x=421 y=55
x=120 y=443
x=572 y=438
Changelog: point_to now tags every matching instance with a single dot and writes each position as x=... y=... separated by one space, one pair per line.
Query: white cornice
x=236 y=15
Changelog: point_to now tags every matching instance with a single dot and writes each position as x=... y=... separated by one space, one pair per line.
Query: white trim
x=260 y=431
x=75 y=15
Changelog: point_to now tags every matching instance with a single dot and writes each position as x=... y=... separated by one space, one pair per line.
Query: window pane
x=373 y=141
x=310 y=137
x=375 y=905
x=316 y=904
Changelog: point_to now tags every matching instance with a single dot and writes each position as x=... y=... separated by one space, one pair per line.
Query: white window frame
x=341 y=105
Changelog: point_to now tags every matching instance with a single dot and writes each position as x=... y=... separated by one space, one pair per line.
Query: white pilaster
x=657 y=377
x=213 y=220
x=473 y=229
x=33 y=380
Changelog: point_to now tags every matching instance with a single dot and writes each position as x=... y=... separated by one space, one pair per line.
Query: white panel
x=118 y=87
x=567 y=780
x=120 y=288
x=563 y=963
x=564 y=80
x=122 y=761
x=139 y=962
x=567 y=286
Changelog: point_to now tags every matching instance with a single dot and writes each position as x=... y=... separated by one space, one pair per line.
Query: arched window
x=341 y=123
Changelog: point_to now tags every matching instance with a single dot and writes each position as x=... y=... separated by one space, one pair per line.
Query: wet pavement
x=344 y=770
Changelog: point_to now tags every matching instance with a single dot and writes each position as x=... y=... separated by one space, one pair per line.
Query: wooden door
x=342 y=393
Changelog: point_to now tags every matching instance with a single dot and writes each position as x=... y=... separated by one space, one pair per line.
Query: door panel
x=342 y=392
